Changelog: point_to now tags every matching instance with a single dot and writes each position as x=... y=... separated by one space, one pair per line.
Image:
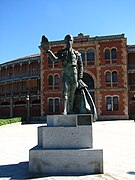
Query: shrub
x=9 y=120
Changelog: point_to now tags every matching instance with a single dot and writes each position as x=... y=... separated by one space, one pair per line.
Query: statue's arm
x=51 y=55
x=80 y=67
x=45 y=45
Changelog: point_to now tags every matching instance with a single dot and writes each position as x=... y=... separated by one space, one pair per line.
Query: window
x=56 y=80
x=50 y=80
x=90 y=55
x=53 y=81
x=114 y=76
x=50 y=104
x=108 y=104
x=83 y=55
x=115 y=103
x=56 y=105
x=53 y=105
x=107 y=54
x=108 y=77
x=112 y=103
x=111 y=78
x=113 y=54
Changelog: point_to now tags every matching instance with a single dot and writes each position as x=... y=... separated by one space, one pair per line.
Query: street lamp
x=28 y=108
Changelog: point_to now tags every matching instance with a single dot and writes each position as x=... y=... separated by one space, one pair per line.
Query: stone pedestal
x=65 y=147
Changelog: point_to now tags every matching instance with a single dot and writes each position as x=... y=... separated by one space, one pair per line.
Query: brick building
x=105 y=72
x=32 y=85
x=131 y=80
x=20 y=87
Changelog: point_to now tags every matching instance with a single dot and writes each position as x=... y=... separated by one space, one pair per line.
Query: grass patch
x=9 y=121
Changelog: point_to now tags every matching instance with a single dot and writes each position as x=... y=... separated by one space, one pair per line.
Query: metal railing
x=19 y=76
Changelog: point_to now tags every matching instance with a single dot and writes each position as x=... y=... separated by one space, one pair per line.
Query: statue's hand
x=78 y=83
x=81 y=84
x=45 y=43
x=48 y=51
x=47 y=48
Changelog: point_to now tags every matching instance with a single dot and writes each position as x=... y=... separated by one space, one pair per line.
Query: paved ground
x=117 y=138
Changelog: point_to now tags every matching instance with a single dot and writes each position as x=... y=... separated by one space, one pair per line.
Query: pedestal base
x=66 y=161
x=65 y=147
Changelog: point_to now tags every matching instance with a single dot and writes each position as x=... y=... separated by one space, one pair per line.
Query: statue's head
x=68 y=40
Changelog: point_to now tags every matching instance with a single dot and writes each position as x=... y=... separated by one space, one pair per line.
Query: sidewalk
x=116 y=138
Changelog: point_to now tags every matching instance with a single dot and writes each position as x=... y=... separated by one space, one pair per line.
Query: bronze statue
x=73 y=88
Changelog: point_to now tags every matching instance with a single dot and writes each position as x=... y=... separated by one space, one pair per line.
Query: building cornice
x=21 y=60
x=86 y=38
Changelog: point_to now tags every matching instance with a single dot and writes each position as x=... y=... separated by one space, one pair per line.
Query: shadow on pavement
x=14 y=171
x=17 y=171
x=20 y=171
x=131 y=172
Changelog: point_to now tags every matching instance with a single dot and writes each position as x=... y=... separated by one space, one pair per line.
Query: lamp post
x=28 y=108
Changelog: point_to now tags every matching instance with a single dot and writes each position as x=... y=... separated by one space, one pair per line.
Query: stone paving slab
x=116 y=138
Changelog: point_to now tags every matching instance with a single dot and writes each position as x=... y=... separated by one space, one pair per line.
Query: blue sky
x=23 y=22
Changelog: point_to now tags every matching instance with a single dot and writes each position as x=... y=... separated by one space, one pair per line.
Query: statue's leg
x=73 y=86
x=71 y=98
x=64 y=96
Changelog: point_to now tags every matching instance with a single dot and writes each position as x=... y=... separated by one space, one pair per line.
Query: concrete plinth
x=65 y=137
x=69 y=120
x=66 y=162
x=65 y=147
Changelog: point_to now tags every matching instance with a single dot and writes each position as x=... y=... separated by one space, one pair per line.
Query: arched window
x=53 y=105
x=108 y=103
x=88 y=79
x=90 y=55
x=107 y=54
x=56 y=80
x=112 y=103
x=83 y=55
x=113 y=54
x=115 y=103
x=114 y=76
x=50 y=105
x=50 y=80
x=108 y=76
x=56 y=102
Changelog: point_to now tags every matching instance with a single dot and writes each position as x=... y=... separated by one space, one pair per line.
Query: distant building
x=131 y=80
x=20 y=87
x=32 y=85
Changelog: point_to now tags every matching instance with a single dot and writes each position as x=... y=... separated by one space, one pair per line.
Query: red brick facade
x=103 y=56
